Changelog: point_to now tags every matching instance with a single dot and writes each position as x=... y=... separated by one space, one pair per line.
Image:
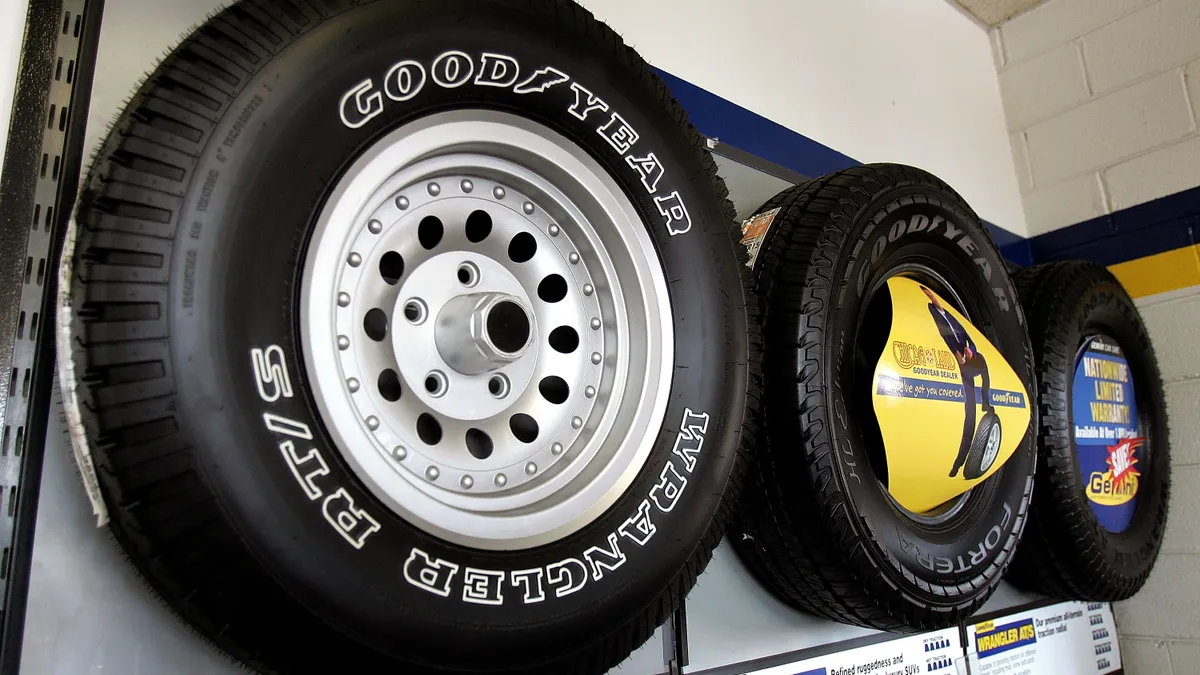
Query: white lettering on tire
x=530 y=583
x=567 y=576
x=452 y=69
x=483 y=587
x=497 y=70
x=305 y=468
x=270 y=374
x=353 y=523
x=404 y=80
x=428 y=574
x=366 y=104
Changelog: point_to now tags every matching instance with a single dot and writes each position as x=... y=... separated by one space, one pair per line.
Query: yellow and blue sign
x=991 y=639
x=927 y=417
x=1108 y=438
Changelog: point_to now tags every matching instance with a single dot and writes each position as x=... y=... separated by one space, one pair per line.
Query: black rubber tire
x=1066 y=552
x=190 y=228
x=816 y=527
x=974 y=467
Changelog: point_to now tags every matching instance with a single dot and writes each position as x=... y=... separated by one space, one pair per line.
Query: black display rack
x=40 y=180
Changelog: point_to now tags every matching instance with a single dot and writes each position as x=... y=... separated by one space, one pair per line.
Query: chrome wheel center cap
x=482 y=332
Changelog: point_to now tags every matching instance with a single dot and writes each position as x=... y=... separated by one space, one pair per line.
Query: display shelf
x=89 y=611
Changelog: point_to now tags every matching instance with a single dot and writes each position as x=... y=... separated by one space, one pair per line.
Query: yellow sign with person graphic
x=941 y=437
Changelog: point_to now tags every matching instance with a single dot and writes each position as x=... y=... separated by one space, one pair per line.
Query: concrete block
x=1139 y=655
x=1182 y=534
x=1185 y=658
x=1155 y=174
x=1183 y=401
x=1053 y=23
x=1021 y=161
x=1067 y=202
x=1151 y=40
x=1165 y=607
x=1048 y=83
x=1126 y=122
x=1173 y=327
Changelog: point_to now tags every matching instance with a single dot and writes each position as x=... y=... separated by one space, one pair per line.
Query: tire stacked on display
x=408 y=337
x=820 y=525
x=1100 y=505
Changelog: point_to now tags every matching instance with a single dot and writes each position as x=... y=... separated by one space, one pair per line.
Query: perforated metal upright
x=37 y=189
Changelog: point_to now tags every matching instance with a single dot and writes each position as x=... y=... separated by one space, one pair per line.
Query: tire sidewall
x=242 y=234
x=964 y=557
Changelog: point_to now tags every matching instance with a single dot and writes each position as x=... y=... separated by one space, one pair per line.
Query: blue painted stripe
x=1158 y=226
x=748 y=131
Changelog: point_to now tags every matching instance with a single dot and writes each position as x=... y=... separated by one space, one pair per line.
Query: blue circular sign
x=1108 y=437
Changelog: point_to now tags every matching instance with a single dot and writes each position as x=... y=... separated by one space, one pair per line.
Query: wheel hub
x=500 y=350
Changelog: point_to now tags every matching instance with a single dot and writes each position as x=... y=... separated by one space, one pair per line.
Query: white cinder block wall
x=1101 y=99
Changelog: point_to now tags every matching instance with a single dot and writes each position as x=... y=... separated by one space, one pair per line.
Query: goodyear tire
x=340 y=337
x=984 y=446
x=818 y=526
x=1100 y=507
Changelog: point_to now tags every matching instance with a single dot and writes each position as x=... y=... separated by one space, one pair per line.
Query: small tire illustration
x=984 y=446
x=818 y=525
x=1104 y=466
x=394 y=327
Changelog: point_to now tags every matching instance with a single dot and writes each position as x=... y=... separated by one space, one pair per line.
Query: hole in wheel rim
x=375 y=324
x=522 y=247
x=552 y=289
x=389 y=385
x=508 y=326
x=498 y=385
x=564 y=339
x=391 y=267
x=479 y=226
x=429 y=232
x=429 y=430
x=479 y=444
x=523 y=427
x=554 y=389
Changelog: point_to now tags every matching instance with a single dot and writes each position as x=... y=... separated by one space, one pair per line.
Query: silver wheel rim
x=418 y=336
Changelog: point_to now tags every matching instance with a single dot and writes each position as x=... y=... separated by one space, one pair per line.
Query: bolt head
x=466 y=482
x=498 y=193
x=343 y=342
x=432 y=473
x=500 y=480
x=434 y=189
x=554 y=230
x=372 y=423
x=352 y=385
x=354 y=259
x=402 y=202
x=556 y=449
x=527 y=207
x=466 y=186
x=375 y=227
x=343 y=299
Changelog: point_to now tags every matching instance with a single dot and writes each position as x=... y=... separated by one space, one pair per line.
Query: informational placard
x=928 y=653
x=1070 y=637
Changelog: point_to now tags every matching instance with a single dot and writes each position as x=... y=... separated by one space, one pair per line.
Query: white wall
x=1101 y=98
x=909 y=82
x=12 y=35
